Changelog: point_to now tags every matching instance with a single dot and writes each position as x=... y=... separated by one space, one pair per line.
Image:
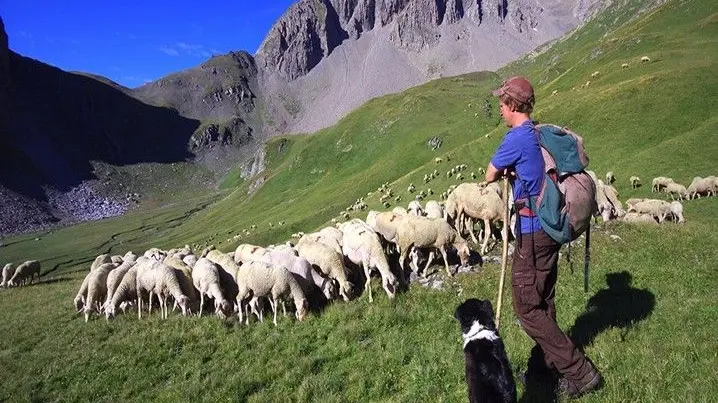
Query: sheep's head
x=346 y=289
x=223 y=309
x=462 y=249
x=183 y=303
x=329 y=289
x=390 y=283
x=302 y=307
x=79 y=303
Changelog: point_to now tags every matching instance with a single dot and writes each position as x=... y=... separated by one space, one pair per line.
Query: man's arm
x=492 y=173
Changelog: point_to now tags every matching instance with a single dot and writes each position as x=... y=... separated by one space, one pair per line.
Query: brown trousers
x=533 y=280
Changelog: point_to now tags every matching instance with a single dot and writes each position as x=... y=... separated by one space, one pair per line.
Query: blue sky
x=133 y=42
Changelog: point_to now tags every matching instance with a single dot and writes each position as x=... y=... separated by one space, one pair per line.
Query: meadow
x=648 y=321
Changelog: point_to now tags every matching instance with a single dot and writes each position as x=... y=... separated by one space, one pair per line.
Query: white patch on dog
x=479 y=331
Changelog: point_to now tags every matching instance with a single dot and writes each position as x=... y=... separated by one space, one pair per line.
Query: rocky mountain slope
x=319 y=61
x=324 y=58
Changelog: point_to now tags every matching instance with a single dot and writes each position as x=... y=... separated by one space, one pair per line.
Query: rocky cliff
x=324 y=58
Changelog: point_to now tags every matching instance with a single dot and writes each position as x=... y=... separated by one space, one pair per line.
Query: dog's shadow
x=618 y=306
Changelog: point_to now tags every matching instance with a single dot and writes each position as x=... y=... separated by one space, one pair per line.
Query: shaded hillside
x=58 y=122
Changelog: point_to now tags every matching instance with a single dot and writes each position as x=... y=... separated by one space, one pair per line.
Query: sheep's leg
x=149 y=308
x=246 y=314
x=240 y=312
x=402 y=259
x=414 y=263
x=139 y=304
x=471 y=232
x=442 y=249
x=284 y=308
x=201 y=303
x=273 y=303
x=429 y=261
x=487 y=226
x=367 y=285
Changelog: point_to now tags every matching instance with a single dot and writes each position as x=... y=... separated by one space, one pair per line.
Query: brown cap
x=518 y=88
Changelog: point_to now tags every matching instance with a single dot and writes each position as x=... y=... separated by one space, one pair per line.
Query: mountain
x=73 y=138
x=322 y=59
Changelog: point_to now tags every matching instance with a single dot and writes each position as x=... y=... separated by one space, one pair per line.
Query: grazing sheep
x=660 y=182
x=114 y=278
x=470 y=199
x=676 y=189
x=635 y=182
x=609 y=206
x=258 y=279
x=645 y=59
x=7 y=272
x=610 y=178
x=125 y=292
x=97 y=288
x=595 y=74
x=415 y=208
x=421 y=232
x=656 y=208
x=639 y=218
x=438 y=160
x=676 y=211
x=624 y=66
x=117 y=259
x=287 y=257
x=23 y=271
x=361 y=245
x=631 y=203
x=168 y=282
x=701 y=186
x=325 y=236
x=190 y=260
x=185 y=280
x=100 y=260
x=330 y=263
x=206 y=279
x=433 y=209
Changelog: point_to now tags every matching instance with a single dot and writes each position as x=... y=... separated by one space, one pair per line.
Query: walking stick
x=505 y=251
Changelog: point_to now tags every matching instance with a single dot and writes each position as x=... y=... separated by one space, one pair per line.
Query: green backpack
x=567 y=201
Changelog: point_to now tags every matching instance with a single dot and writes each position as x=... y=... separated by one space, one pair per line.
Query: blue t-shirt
x=520 y=150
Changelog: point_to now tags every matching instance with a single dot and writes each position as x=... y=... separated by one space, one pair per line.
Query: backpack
x=567 y=200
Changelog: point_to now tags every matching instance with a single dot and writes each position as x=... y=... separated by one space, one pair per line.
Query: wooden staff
x=505 y=251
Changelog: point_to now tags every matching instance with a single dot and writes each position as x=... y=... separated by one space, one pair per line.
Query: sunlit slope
x=649 y=119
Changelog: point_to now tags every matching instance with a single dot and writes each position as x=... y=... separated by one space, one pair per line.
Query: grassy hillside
x=651 y=333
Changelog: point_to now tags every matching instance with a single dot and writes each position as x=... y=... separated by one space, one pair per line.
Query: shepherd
x=535 y=257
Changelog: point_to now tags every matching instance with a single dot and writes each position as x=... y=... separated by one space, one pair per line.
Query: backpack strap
x=587 y=258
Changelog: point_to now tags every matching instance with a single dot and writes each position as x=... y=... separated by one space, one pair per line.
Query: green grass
x=653 y=341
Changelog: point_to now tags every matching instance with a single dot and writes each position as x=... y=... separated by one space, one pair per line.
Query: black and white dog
x=488 y=373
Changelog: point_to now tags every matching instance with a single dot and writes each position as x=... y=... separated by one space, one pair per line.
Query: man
x=535 y=259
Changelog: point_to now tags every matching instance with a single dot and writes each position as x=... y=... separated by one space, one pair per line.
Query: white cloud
x=169 y=51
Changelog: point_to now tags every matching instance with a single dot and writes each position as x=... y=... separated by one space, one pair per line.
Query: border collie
x=488 y=373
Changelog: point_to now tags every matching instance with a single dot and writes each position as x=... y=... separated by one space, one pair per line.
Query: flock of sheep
x=326 y=265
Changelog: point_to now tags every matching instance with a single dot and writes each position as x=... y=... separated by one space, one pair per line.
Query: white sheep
x=330 y=263
x=660 y=182
x=676 y=211
x=701 y=186
x=438 y=160
x=361 y=245
x=415 y=208
x=471 y=200
x=610 y=177
x=400 y=210
x=635 y=181
x=185 y=280
x=97 y=288
x=676 y=189
x=27 y=269
x=206 y=279
x=7 y=271
x=421 y=232
x=595 y=74
x=633 y=217
x=100 y=260
x=328 y=236
x=433 y=209
x=258 y=279
x=125 y=292
x=624 y=65
x=289 y=258
x=168 y=282
x=114 y=278
x=645 y=59
x=656 y=208
x=190 y=260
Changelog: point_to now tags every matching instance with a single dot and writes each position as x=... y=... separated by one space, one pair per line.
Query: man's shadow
x=618 y=306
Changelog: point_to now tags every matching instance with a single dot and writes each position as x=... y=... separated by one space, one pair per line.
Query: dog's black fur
x=488 y=373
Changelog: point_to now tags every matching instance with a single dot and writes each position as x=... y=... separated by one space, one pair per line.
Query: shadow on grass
x=619 y=306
